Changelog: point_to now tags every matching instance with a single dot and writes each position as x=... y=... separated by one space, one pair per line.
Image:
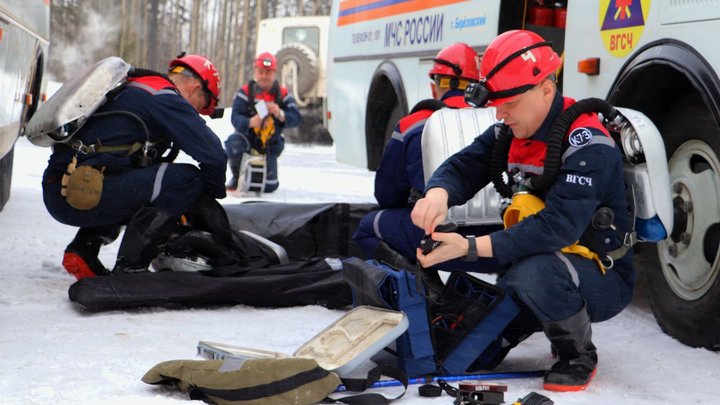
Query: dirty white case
x=341 y=347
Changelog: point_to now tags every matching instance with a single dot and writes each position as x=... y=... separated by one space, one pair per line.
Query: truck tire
x=307 y=67
x=6 y=166
x=682 y=273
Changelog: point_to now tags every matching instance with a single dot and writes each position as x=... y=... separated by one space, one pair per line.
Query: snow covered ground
x=55 y=353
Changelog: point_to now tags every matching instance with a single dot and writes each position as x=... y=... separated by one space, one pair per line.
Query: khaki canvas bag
x=84 y=188
x=290 y=381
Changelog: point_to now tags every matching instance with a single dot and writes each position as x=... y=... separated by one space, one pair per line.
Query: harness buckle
x=82 y=148
x=630 y=239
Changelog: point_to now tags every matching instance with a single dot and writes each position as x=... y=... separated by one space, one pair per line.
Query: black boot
x=81 y=255
x=146 y=231
x=232 y=185
x=577 y=362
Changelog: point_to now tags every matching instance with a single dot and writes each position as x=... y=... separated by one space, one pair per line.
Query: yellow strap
x=577 y=249
x=525 y=204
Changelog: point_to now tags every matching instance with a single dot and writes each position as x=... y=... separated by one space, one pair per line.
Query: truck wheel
x=6 y=166
x=305 y=61
x=682 y=274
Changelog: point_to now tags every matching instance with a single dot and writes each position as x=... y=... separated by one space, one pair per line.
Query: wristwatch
x=472 y=249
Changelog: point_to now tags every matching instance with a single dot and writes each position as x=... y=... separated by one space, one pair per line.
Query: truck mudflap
x=646 y=175
x=67 y=110
x=446 y=132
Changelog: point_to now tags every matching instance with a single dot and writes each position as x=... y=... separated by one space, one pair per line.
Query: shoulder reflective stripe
x=157 y=186
x=571 y=269
x=596 y=140
x=401 y=136
x=497 y=131
x=525 y=168
x=241 y=95
x=287 y=97
x=166 y=91
x=142 y=86
x=376 y=224
x=396 y=135
x=151 y=90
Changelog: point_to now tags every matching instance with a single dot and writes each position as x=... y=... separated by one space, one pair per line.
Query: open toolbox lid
x=341 y=347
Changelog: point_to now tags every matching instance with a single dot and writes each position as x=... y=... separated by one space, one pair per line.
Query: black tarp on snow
x=304 y=230
x=312 y=282
x=309 y=233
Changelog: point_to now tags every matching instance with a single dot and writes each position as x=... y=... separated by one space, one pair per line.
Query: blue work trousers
x=555 y=286
x=171 y=188
x=237 y=144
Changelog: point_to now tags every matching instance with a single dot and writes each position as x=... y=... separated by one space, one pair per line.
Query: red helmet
x=515 y=62
x=266 y=60
x=456 y=60
x=208 y=75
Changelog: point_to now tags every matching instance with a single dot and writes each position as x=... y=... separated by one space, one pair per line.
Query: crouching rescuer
x=564 y=248
x=261 y=110
x=117 y=169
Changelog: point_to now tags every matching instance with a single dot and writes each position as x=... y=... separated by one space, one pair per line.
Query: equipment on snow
x=534 y=398
x=288 y=381
x=501 y=375
x=456 y=332
x=341 y=347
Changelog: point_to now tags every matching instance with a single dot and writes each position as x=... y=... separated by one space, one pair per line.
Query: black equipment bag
x=304 y=230
x=311 y=282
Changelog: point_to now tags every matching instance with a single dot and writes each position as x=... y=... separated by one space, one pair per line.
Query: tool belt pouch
x=296 y=381
x=84 y=187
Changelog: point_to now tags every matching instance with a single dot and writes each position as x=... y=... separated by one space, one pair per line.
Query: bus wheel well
x=385 y=106
x=681 y=276
x=35 y=87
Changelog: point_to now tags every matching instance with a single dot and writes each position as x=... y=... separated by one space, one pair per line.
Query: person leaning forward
x=560 y=287
x=259 y=134
x=388 y=234
x=125 y=139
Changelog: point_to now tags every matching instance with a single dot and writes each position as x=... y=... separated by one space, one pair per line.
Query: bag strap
x=362 y=384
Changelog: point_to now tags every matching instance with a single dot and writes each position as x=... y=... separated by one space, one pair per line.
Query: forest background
x=150 y=33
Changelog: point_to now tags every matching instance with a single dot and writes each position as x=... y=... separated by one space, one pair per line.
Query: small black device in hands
x=427 y=244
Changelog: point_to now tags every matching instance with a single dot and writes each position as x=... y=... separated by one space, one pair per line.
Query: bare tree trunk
x=244 y=42
x=151 y=22
x=123 y=28
x=194 y=25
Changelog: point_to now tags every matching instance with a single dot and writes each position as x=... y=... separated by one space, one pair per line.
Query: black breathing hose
x=498 y=161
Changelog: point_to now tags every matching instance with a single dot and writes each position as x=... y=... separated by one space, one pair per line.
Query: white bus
x=24 y=33
x=656 y=57
x=379 y=55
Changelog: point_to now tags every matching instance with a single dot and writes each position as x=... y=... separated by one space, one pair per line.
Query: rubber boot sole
x=75 y=265
x=568 y=388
